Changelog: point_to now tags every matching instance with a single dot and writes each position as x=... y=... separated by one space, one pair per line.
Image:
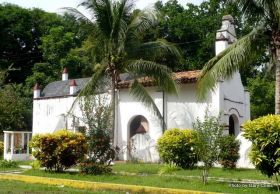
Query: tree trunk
x=277 y=88
x=276 y=58
x=113 y=105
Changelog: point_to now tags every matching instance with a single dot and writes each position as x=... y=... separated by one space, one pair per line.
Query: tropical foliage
x=8 y=164
x=97 y=116
x=14 y=109
x=263 y=40
x=262 y=95
x=118 y=39
x=59 y=150
x=178 y=147
x=193 y=27
x=264 y=133
x=229 y=153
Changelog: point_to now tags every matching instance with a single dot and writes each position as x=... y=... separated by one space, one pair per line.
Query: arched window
x=138 y=125
x=233 y=123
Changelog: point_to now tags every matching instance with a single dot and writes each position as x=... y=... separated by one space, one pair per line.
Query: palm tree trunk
x=276 y=58
x=113 y=105
x=277 y=88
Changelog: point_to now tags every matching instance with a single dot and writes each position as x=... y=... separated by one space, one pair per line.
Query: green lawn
x=148 y=175
x=17 y=187
x=158 y=181
x=215 y=172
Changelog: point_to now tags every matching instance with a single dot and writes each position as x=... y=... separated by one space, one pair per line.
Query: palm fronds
x=160 y=73
x=160 y=48
x=141 y=94
x=238 y=55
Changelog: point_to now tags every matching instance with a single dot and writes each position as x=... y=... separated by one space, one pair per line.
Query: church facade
x=135 y=123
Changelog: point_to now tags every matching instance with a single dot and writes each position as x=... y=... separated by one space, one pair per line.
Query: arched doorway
x=139 y=139
x=233 y=125
x=138 y=125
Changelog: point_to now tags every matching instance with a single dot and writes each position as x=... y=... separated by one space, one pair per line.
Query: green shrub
x=264 y=133
x=229 y=153
x=8 y=164
x=1 y=149
x=89 y=167
x=60 y=150
x=35 y=164
x=178 y=147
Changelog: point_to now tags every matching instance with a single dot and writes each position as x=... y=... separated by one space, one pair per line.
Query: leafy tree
x=193 y=28
x=20 y=33
x=118 y=42
x=15 y=114
x=209 y=135
x=265 y=37
x=97 y=117
x=262 y=91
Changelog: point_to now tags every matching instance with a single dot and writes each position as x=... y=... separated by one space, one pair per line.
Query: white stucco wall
x=129 y=108
x=234 y=101
x=184 y=109
x=49 y=114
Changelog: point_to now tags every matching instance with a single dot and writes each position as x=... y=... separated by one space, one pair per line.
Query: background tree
x=21 y=45
x=193 y=28
x=118 y=39
x=262 y=92
x=264 y=38
x=15 y=115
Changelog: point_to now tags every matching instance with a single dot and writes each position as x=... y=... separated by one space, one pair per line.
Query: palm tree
x=247 y=49
x=118 y=42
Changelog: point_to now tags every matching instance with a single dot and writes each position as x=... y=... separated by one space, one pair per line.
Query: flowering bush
x=60 y=150
x=177 y=147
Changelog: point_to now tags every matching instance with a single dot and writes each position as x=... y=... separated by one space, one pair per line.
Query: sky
x=55 y=5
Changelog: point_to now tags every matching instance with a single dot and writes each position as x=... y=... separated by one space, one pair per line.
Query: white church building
x=136 y=123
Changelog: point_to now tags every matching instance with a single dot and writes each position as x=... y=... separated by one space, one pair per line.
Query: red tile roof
x=180 y=77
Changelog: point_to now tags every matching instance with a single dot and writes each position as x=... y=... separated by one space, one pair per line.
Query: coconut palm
x=118 y=36
x=247 y=49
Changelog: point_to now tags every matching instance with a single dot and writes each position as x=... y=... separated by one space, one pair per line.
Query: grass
x=142 y=168
x=17 y=187
x=25 y=162
x=158 y=181
x=148 y=175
